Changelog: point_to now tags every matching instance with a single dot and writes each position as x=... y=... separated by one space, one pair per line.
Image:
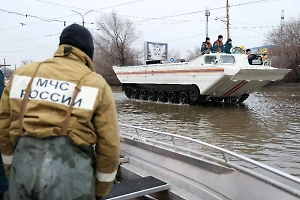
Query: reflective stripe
x=7 y=159
x=106 y=177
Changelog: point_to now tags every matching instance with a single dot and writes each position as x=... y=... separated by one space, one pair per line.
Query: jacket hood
x=80 y=37
x=74 y=53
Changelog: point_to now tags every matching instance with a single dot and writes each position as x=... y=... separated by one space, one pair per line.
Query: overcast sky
x=37 y=40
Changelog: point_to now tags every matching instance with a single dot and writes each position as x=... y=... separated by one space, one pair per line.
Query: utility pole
x=227 y=18
x=4 y=65
x=281 y=34
x=82 y=15
x=282 y=24
x=207 y=14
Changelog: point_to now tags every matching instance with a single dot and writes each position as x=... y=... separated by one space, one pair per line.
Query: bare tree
x=115 y=45
x=25 y=62
x=194 y=53
x=174 y=54
x=286 y=54
x=8 y=72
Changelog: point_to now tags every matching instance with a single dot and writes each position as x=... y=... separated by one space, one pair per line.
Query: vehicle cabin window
x=228 y=59
x=209 y=59
x=256 y=59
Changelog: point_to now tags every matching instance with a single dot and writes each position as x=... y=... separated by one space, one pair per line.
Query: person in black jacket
x=206 y=47
x=250 y=57
x=3 y=179
x=227 y=46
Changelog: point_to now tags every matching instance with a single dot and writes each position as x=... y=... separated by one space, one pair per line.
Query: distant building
x=263 y=49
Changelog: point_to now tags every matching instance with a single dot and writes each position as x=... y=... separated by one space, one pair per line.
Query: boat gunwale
x=222 y=150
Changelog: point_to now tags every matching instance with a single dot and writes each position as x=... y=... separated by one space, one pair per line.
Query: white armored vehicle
x=211 y=77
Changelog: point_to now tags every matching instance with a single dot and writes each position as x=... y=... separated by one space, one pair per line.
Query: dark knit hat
x=207 y=38
x=220 y=36
x=229 y=40
x=79 y=37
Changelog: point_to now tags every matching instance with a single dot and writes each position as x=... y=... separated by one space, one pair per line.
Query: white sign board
x=156 y=51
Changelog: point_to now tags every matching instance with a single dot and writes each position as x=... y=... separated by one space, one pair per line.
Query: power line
x=218 y=8
x=237 y=27
x=244 y=22
x=57 y=4
x=11 y=20
x=256 y=27
x=176 y=25
x=23 y=24
x=192 y=36
x=122 y=4
x=98 y=10
x=32 y=16
x=16 y=52
x=250 y=36
x=252 y=2
x=31 y=56
x=34 y=44
x=56 y=19
x=30 y=38
x=151 y=18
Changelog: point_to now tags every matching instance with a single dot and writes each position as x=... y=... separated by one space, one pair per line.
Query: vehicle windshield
x=210 y=59
x=227 y=59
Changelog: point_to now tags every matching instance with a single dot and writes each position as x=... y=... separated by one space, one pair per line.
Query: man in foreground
x=51 y=114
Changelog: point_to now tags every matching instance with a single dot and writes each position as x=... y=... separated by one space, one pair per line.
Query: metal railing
x=222 y=150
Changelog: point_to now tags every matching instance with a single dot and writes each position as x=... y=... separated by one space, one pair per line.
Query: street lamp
x=207 y=14
x=82 y=15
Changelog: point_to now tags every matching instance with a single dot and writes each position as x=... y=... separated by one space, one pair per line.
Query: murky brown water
x=266 y=128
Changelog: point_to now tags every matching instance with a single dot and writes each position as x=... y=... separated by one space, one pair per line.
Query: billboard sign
x=156 y=51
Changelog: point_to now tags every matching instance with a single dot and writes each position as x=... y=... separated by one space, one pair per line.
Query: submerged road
x=265 y=128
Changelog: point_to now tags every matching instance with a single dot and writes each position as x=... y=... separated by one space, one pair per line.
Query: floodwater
x=266 y=128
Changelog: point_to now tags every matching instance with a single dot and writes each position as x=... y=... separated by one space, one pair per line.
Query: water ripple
x=266 y=128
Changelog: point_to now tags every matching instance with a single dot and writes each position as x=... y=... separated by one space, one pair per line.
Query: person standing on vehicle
x=3 y=179
x=249 y=56
x=206 y=47
x=51 y=114
x=227 y=46
x=218 y=45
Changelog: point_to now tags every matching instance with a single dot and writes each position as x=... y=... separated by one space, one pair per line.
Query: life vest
x=208 y=45
x=219 y=46
x=220 y=43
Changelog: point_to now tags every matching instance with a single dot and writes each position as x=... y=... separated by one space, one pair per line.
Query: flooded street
x=266 y=128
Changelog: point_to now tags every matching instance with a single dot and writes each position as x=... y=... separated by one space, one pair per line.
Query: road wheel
x=183 y=98
x=161 y=97
x=151 y=96
x=172 y=97
x=143 y=95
